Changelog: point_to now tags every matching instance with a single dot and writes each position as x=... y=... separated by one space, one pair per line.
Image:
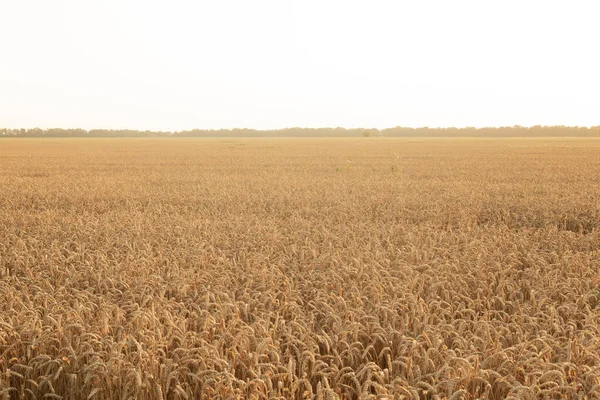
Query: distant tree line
x=57 y=132
x=505 y=131
x=512 y=131
x=287 y=132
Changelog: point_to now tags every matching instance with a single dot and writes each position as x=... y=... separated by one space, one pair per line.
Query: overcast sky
x=173 y=65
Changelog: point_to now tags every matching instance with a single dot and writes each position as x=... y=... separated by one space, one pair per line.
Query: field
x=299 y=268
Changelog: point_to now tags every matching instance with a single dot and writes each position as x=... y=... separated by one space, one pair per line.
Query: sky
x=267 y=64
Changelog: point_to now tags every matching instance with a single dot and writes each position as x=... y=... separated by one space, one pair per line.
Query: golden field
x=299 y=268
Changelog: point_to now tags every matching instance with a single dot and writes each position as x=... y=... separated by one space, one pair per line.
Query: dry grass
x=333 y=268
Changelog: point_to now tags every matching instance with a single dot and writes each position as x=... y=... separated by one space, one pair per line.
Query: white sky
x=173 y=65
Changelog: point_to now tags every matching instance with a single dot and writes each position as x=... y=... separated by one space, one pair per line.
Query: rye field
x=299 y=268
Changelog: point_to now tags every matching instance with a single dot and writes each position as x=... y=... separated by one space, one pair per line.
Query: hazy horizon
x=280 y=64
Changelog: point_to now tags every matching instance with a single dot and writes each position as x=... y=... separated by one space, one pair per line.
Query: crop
x=299 y=268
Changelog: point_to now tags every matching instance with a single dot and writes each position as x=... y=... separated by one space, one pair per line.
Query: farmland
x=187 y=268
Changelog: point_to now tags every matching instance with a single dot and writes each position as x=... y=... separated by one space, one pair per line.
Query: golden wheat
x=288 y=268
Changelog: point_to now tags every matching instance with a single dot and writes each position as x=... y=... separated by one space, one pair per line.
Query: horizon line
x=363 y=128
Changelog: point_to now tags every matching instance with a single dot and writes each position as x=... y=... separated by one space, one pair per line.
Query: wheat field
x=299 y=268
